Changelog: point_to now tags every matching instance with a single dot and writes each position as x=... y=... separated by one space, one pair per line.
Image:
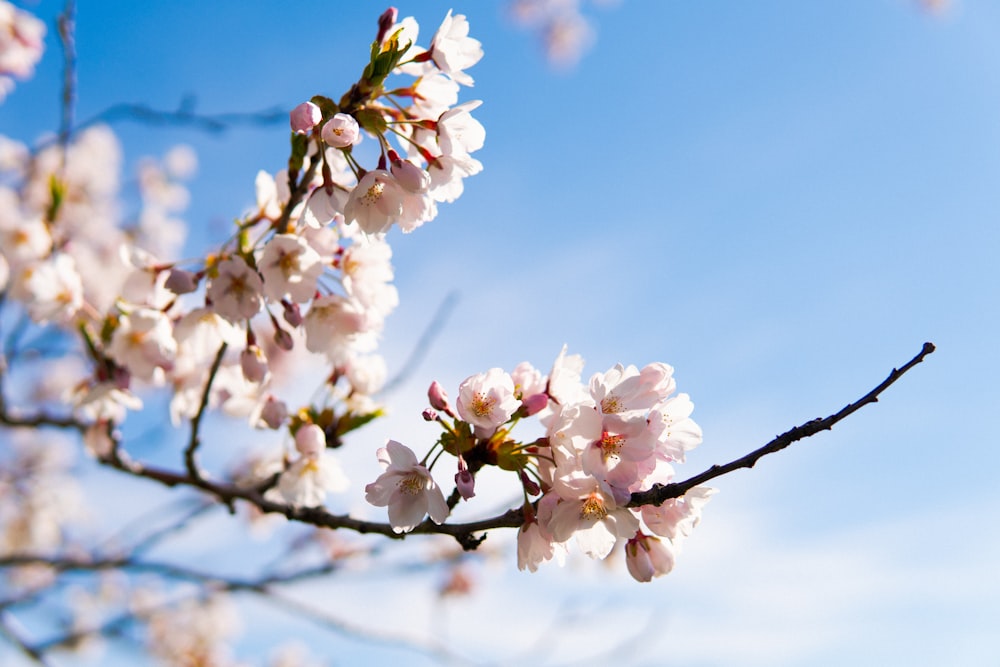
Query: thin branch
x=466 y=534
x=66 y=23
x=662 y=492
x=189 y=452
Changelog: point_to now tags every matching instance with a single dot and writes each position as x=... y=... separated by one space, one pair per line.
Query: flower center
x=610 y=405
x=411 y=485
x=593 y=508
x=482 y=405
x=611 y=444
x=373 y=194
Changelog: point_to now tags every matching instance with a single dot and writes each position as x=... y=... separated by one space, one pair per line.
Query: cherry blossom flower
x=590 y=514
x=314 y=474
x=236 y=290
x=143 y=342
x=375 y=203
x=341 y=131
x=289 y=267
x=458 y=132
x=51 y=289
x=453 y=50
x=676 y=518
x=487 y=400
x=407 y=488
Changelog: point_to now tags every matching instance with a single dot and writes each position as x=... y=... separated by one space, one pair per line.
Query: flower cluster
x=307 y=268
x=21 y=44
x=603 y=441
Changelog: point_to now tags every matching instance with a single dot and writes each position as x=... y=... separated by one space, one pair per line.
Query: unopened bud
x=310 y=440
x=274 y=413
x=409 y=175
x=180 y=281
x=283 y=339
x=437 y=396
x=534 y=404
x=305 y=117
x=254 y=363
x=530 y=486
x=429 y=415
x=292 y=314
x=385 y=23
x=464 y=480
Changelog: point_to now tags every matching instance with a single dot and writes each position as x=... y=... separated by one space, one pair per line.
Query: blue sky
x=782 y=199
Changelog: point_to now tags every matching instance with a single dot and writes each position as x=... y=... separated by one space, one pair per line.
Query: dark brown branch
x=662 y=492
x=189 y=452
x=468 y=534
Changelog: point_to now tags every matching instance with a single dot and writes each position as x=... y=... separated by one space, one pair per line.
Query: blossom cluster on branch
x=98 y=313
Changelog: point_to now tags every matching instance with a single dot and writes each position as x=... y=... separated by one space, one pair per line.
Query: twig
x=423 y=344
x=189 y=452
x=67 y=25
x=662 y=492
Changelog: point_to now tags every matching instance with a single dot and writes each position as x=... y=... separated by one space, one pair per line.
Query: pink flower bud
x=647 y=557
x=429 y=415
x=305 y=117
x=409 y=175
x=437 y=396
x=464 y=480
x=253 y=363
x=385 y=23
x=181 y=282
x=310 y=440
x=292 y=314
x=283 y=339
x=530 y=486
x=274 y=413
x=341 y=131
x=534 y=404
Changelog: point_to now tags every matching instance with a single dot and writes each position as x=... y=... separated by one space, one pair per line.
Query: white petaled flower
x=313 y=475
x=458 y=132
x=143 y=342
x=406 y=488
x=236 y=290
x=590 y=514
x=375 y=203
x=341 y=131
x=22 y=40
x=677 y=518
x=105 y=402
x=487 y=400
x=27 y=240
x=290 y=267
x=51 y=289
x=339 y=327
x=447 y=172
x=453 y=51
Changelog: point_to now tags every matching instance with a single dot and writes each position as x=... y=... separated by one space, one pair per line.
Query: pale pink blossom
x=290 y=268
x=143 y=342
x=51 y=289
x=105 y=402
x=339 y=327
x=341 y=131
x=487 y=400
x=453 y=50
x=589 y=513
x=676 y=433
x=236 y=291
x=375 y=203
x=458 y=132
x=447 y=172
x=677 y=518
x=407 y=488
